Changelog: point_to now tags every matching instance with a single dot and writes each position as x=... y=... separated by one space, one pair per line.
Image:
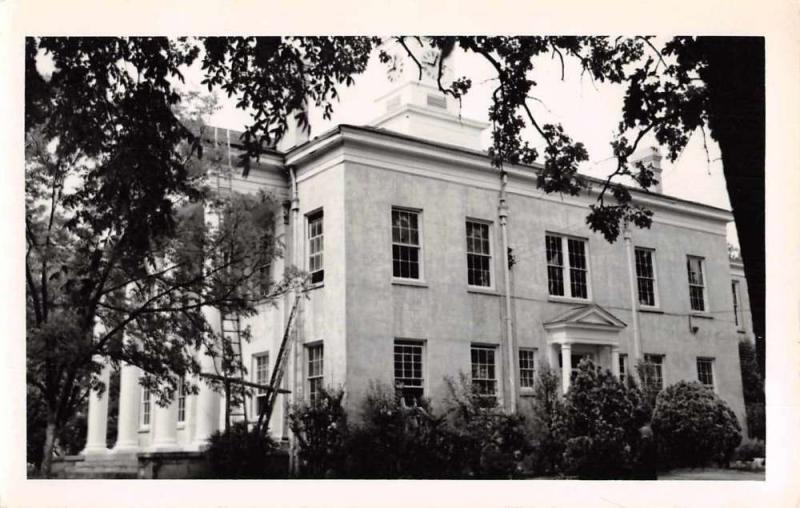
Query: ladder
x=280 y=366
x=231 y=328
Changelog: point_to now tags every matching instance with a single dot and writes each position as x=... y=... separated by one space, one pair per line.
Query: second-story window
x=406 y=244
x=479 y=256
x=645 y=277
x=736 y=305
x=316 y=264
x=567 y=266
x=697 y=289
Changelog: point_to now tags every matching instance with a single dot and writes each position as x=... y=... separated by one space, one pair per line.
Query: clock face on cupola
x=430 y=64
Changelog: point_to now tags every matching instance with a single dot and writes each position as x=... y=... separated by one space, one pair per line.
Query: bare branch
x=402 y=42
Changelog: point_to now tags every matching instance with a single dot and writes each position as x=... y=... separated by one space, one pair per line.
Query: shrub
x=546 y=406
x=599 y=425
x=750 y=450
x=240 y=453
x=489 y=443
x=694 y=427
x=396 y=441
x=321 y=432
x=753 y=389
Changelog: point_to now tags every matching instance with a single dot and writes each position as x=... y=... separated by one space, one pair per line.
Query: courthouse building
x=420 y=272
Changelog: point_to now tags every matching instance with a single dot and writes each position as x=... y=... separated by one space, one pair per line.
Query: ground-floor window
x=314 y=354
x=653 y=371
x=623 y=367
x=261 y=377
x=484 y=371
x=527 y=368
x=182 y=402
x=408 y=374
x=144 y=419
x=705 y=372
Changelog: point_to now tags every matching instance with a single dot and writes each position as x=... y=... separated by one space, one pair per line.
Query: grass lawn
x=713 y=474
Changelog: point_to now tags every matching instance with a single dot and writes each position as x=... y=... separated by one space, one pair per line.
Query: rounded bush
x=694 y=427
x=241 y=453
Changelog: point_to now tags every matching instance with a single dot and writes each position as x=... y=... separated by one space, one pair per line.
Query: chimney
x=294 y=135
x=651 y=158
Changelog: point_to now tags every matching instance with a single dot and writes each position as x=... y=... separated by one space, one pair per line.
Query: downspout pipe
x=503 y=216
x=637 y=337
x=295 y=260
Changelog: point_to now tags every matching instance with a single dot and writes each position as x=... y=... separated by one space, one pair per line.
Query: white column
x=566 y=366
x=615 y=361
x=165 y=428
x=97 y=419
x=129 y=403
x=552 y=357
x=207 y=408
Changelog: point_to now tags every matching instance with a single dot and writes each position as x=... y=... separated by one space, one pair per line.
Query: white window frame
x=419 y=246
x=311 y=380
x=255 y=378
x=531 y=366
x=181 y=401
x=703 y=285
x=145 y=408
x=652 y=253
x=495 y=366
x=711 y=363
x=490 y=255
x=660 y=364
x=310 y=218
x=738 y=315
x=414 y=343
x=566 y=268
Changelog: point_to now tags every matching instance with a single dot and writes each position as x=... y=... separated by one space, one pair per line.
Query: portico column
x=97 y=419
x=207 y=404
x=128 y=419
x=165 y=428
x=615 y=361
x=566 y=366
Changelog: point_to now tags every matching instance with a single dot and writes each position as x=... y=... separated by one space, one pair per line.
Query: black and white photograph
x=335 y=256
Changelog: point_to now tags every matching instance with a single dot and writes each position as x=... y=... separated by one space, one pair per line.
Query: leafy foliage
x=694 y=427
x=545 y=412
x=753 y=388
x=241 y=454
x=322 y=432
x=600 y=425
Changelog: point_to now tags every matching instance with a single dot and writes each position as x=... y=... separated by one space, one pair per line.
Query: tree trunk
x=49 y=445
x=735 y=80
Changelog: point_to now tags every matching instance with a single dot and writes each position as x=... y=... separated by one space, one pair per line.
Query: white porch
x=585 y=331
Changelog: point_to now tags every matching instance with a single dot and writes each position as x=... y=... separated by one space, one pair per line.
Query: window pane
x=526 y=368
x=555 y=271
x=645 y=277
x=315 y=247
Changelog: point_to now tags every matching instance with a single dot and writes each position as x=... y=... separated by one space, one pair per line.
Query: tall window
x=697 y=289
x=623 y=367
x=479 y=257
x=408 y=376
x=645 y=277
x=705 y=372
x=316 y=264
x=654 y=371
x=182 y=402
x=145 y=412
x=527 y=369
x=567 y=275
x=261 y=377
x=736 y=306
x=314 y=372
x=405 y=244
x=484 y=375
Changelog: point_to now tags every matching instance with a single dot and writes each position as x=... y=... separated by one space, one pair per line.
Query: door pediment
x=588 y=324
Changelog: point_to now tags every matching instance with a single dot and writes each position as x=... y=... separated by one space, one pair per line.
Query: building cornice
x=455 y=156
